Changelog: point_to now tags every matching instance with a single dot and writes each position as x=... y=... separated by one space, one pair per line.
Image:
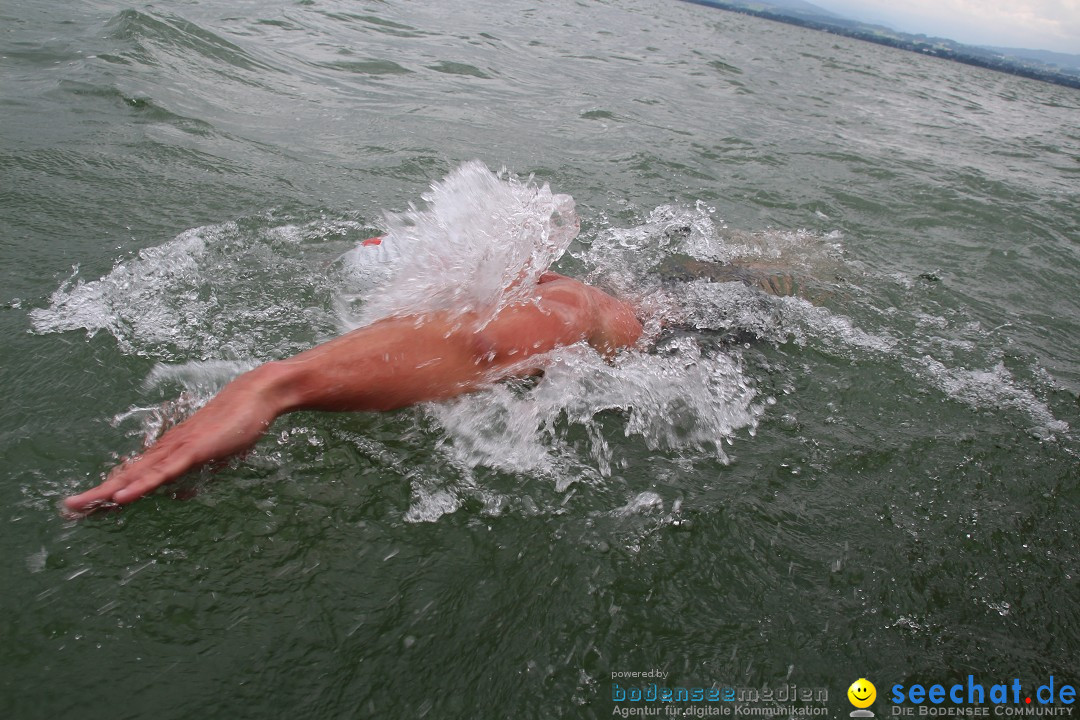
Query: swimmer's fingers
x=130 y=482
x=94 y=498
x=148 y=481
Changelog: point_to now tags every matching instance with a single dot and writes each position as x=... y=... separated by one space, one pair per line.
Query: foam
x=679 y=399
x=989 y=387
x=216 y=292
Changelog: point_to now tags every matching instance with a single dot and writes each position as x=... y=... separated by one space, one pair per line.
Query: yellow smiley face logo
x=862 y=693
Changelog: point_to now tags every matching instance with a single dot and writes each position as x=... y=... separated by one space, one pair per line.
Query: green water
x=900 y=500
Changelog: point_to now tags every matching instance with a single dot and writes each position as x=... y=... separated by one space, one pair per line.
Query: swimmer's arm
x=566 y=311
x=387 y=365
x=404 y=361
x=390 y=364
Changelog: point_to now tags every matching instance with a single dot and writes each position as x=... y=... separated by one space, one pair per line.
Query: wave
x=150 y=36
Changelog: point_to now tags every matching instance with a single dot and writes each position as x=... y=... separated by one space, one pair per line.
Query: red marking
x=372 y=241
x=1027 y=700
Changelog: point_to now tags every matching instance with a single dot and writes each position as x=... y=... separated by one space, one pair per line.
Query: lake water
x=875 y=478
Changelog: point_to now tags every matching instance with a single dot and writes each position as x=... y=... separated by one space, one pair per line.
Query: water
x=874 y=477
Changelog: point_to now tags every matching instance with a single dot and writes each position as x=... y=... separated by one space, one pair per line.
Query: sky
x=1039 y=24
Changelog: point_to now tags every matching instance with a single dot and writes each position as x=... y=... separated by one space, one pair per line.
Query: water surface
x=877 y=480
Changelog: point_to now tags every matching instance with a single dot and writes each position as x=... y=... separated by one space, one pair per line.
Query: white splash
x=230 y=291
x=480 y=244
x=678 y=399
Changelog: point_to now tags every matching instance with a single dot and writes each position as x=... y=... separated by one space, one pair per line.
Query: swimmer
x=393 y=363
x=771 y=280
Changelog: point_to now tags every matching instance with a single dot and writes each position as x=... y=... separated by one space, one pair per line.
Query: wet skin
x=393 y=363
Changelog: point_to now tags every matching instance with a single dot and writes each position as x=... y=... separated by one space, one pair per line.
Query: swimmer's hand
x=229 y=424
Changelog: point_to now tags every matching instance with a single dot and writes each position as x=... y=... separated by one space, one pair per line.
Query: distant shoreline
x=989 y=61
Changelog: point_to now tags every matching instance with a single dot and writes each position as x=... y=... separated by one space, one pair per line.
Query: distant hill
x=1058 y=68
x=796 y=7
x=1061 y=60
